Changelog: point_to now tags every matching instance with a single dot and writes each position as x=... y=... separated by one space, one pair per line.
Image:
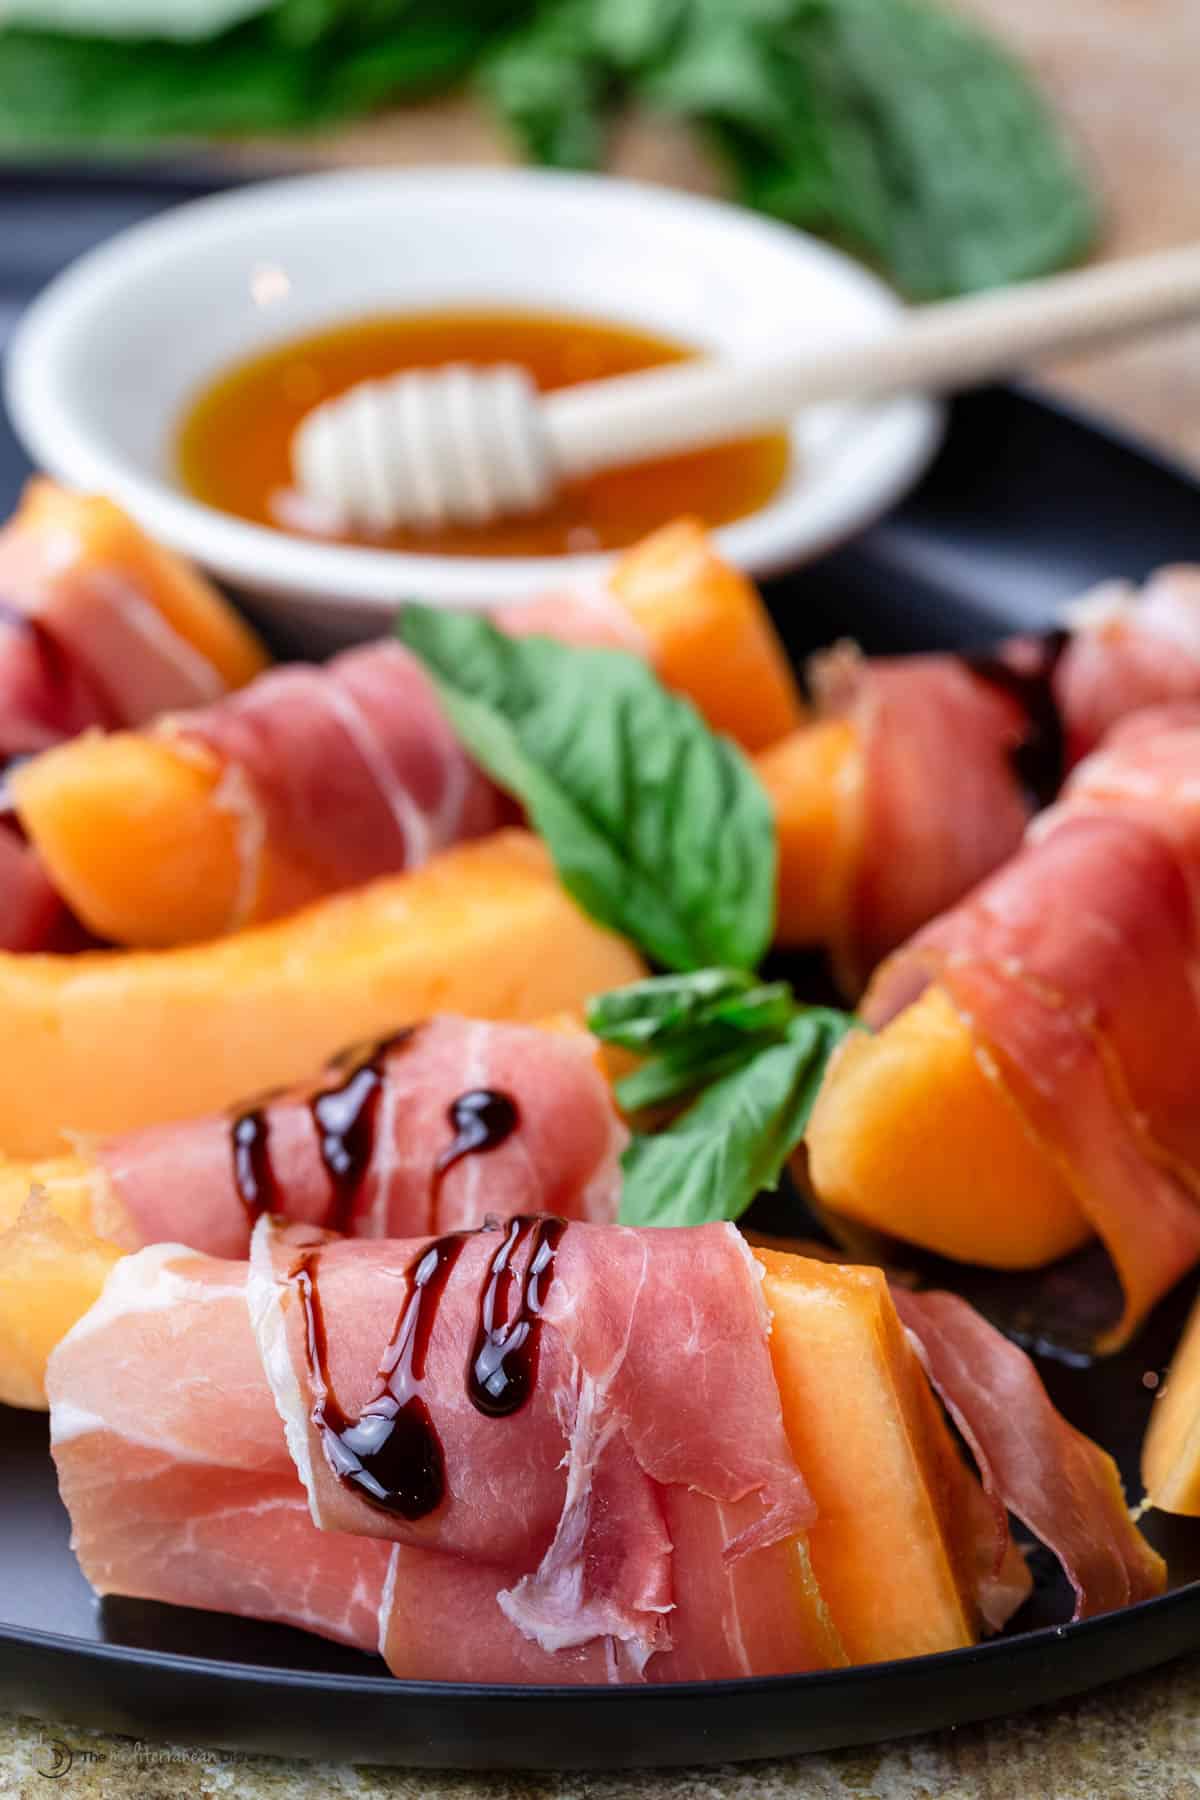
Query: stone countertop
x=1139 y=1741
x=1125 y=73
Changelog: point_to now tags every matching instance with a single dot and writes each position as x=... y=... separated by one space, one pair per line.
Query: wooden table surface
x=1126 y=74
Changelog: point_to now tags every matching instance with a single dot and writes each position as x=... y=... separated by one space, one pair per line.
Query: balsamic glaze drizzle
x=1039 y=759
x=346 y=1118
x=481 y=1119
x=391 y=1453
x=503 y=1365
x=253 y=1175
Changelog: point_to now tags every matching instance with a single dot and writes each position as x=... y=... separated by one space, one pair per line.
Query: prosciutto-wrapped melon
x=109 y=1040
x=101 y=626
x=920 y=773
x=98 y=627
x=556 y=1452
x=1033 y=1079
x=431 y=1130
x=316 y=779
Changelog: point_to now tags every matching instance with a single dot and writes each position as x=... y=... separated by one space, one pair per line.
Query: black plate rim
x=1184 y=1599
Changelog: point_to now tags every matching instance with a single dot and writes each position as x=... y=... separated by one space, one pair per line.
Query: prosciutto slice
x=1129 y=650
x=549 y=1555
x=32 y=916
x=1060 y=1484
x=117 y=660
x=956 y=753
x=938 y=804
x=351 y=770
x=84 y=644
x=1075 y=968
x=324 y=1436
x=429 y=1132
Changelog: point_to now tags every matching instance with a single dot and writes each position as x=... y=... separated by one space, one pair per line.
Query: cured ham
x=920 y=773
x=431 y=1130
x=543 y=1452
x=98 y=628
x=1129 y=650
x=32 y=916
x=338 y=774
x=312 y=780
x=1060 y=1484
x=936 y=804
x=1069 y=970
x=103 y=627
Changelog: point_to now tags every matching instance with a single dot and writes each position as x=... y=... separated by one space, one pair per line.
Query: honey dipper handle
x=686 y=406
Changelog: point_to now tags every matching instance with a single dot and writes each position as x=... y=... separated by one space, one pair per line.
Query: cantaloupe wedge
x=913 y=1135
x=111 y=1039
x=52 y=1268
x=878 y=1459
x=98 y=534
x=136 y=837
x=813 y=777
x=1171 y=1453
x=710 y=634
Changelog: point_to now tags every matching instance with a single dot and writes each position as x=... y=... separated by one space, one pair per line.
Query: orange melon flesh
x=709 y=633
x=913 y=1135
x=54 y=1261
x=107 y=538
x=132 y=837
x=812 y=778
x=112 y=1039
x=1171 y=1452
x=887 y=1481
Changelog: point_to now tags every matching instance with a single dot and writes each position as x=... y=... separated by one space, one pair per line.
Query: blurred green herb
x=892 y=126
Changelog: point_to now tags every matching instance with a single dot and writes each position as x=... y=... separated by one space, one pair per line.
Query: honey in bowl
x=233 y=447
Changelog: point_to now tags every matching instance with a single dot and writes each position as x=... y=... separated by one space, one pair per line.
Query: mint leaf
x=659 y=828
x=732 y=1142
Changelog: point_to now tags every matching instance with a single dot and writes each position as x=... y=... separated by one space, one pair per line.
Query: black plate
x=1026 y=505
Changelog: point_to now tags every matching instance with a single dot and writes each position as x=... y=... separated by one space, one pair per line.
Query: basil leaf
x=733 y=1142
x=670 y=1008
x=687 y=1067
x=659 y=828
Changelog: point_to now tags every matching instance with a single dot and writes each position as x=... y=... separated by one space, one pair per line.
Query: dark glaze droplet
x=345 y=1120
x=503 y=1366
x=1039 y=759
x=481 y=1119
x=253 y=1175
x=346 y=1117
x=391 y=1453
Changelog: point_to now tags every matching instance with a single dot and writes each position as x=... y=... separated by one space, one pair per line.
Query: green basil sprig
x=754 y=1060
x=659 y=828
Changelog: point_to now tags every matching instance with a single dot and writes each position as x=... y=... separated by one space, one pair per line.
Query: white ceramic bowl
x=104 y=362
